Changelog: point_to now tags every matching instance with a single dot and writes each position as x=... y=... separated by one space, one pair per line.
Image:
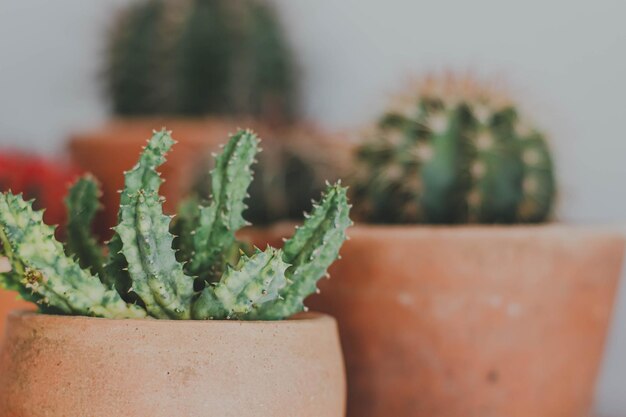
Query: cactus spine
x=142 y=275
x=197 y=57
x=454 y=154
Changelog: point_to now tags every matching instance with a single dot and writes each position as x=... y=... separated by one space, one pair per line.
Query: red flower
x=37 y=178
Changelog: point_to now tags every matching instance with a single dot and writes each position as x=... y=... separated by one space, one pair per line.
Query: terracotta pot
x=9 y=299
x=9 y=302
x=471 y=321
x=56 y=366
x=113 y=148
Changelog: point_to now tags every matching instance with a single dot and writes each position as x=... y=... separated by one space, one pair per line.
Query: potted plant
x=200 y=67
x=452 y=299
x=96 y=334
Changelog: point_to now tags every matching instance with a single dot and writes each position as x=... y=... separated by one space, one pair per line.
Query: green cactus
x=82 y=205
x=197 y=57
x=143 y=274
x=218 y=222
x=454 y=154
x=236 y=295
x=310 y=252
x=43 y=271
x=156 y=276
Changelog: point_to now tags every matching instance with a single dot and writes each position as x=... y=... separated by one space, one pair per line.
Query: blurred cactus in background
x=457 y=152
x=198 y=57
x=292 y=171
x=37 y=178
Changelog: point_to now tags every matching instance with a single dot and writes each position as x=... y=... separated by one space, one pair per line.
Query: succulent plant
x=456 y=153
x=197 y=57
x=200 y=274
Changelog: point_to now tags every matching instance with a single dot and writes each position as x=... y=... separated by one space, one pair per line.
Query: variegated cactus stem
x=155 y=275
x=219 y=221
x=82 y=204
x=43 y=272
x=312 y=249
x=242 y=290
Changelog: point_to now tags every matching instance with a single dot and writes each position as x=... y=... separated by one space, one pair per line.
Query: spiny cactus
x=197 y=57
x=201 y=274
x=456 y=153
x=82 y=204
x=42 y=272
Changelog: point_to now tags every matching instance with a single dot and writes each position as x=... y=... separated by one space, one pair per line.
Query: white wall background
x=564 y=59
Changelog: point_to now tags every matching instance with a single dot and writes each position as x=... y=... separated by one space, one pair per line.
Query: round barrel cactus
x=455 y=153
x=197 y=57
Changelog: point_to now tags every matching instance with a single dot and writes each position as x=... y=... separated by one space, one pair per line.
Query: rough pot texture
x=471 y=321
x=9 y=301
x=56 y=366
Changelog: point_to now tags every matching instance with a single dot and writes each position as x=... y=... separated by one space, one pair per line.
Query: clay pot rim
x=554 y=229
x=106 y=131
x=310 y=317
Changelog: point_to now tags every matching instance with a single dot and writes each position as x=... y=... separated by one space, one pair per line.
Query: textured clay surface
x=471 y=321
x=52 y=366
x=9 y=302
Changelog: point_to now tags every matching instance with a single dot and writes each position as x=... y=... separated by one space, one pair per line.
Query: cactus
x=197 y=57
x=218 y=221
x=201 y=274
x=237 y=295
x=82 y=205
x=457 y=153
x=313 y=247
x=43 y=272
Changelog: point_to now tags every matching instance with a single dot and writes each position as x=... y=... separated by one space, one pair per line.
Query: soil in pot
x=76 y=366
x=471 y=321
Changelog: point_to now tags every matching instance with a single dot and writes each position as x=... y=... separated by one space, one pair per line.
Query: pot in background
x=471 y=321
x=77 y=366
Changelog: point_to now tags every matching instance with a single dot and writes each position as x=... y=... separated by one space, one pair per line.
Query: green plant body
x=456 y=153
x=198 y=57
x=200 y=274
